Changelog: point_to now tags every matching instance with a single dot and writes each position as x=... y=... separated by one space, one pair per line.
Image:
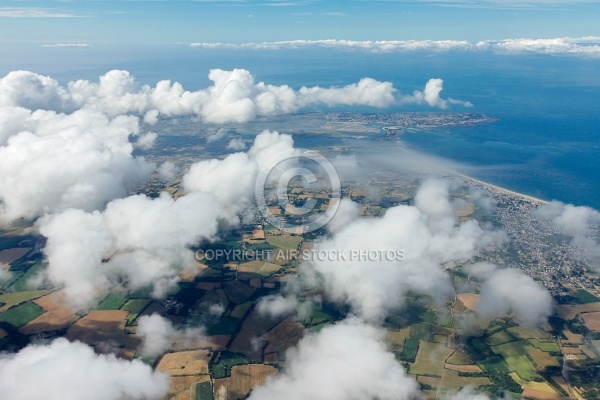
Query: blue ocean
x=544 y=140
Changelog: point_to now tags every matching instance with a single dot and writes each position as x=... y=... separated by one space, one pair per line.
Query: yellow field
x=100 y=326
x=470 y=300
x=184 y=363
x=396 y=339
x=540 y=391
x=463 y=368
x=181 y=387
x=451 y=380
x=430 y=359
x=58 y=315
x=429 y=380
x=243 y=379
x=258 y=267
x=543 y=359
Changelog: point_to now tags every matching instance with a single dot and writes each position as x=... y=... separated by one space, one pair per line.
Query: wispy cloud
x=502 y=4
x=367 y=45
x=286 y=3
x=68 y=45
x=22 y=12
x=584 y=46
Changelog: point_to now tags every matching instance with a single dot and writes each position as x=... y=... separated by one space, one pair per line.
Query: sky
x=237 y=21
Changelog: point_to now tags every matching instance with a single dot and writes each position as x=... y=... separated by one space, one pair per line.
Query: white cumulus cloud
x=63 y=370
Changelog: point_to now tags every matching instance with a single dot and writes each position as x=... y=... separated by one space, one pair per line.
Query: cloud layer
x=146 y=242
x=234 y=96
x=345 y=361
x=510 y=290
x=584 y=46
x=50 y=162
x=375 y=280
x=63 y=370
x=159 y=335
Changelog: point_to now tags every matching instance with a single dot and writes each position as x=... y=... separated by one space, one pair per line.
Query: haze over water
x=544 y=142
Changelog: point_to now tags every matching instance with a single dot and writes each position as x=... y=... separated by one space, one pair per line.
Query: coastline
x=500 y=189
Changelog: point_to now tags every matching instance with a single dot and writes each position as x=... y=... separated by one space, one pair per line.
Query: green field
x=494 y=363
x=223 y=326
x=584 y=297
x=22 y=314
x=284 y=241
x=222 y=368
x=527 y=333
x=545 y=346
x=113 y=301
x=422 y=331
x=409 y=352
x=515 y=355
x=203 y=391
x=499 y=338
x=21 y=284
x=10 y=279
x=135 y=307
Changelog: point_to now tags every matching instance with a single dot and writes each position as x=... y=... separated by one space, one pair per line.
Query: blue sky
x=164 y=22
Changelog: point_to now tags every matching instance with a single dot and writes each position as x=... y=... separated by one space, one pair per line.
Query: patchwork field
x=396 y=339
x=238 y=292
x=515 y=354
x=24 y=281
x=16 y=298
x=100 y=326
x=258 y=268
x=58 y=315
x=543 y=359
x=243 y=379
x=568 y=311
x=430 y=359
x=134 y=308
x=183 y=387
x=452 y=380
x=459 y=358
x=283 y=336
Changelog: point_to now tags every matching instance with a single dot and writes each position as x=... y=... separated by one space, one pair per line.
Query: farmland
x=241 y=348
x=21 y=315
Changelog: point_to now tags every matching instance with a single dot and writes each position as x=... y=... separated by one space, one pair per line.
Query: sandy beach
x=500 y=189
